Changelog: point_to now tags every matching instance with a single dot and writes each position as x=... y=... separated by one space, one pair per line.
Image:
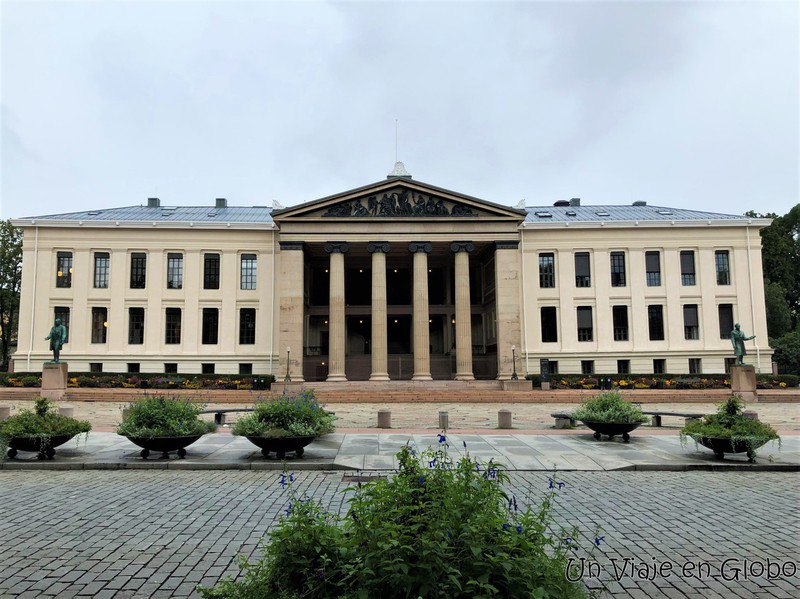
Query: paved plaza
x=159 y=533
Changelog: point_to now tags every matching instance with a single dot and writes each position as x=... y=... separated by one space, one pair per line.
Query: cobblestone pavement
x=159 y=534
x=785 y=417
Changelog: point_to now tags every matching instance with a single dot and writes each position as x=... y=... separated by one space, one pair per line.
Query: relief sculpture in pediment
x=400 y=203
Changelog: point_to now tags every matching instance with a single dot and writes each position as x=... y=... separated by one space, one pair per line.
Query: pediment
x=398 y=198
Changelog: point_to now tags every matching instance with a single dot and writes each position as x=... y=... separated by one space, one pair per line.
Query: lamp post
x=514 y=376
x=288 y=377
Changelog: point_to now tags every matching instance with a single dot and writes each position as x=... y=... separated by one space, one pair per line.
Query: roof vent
x=562 y=203
x=665 y=212
x=153 y=202
x=571 y=213
x=543 y=214
x=399 y=172
x=94 y=213
x=211 y=214
x=575 y=202
x=221 y=203
x=602 y=213
x=639 y=203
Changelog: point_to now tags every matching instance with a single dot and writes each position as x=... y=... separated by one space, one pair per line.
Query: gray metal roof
x=539 y=214
x=197 y=214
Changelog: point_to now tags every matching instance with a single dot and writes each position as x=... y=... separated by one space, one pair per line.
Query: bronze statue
x=57 y=336
x=738 y=338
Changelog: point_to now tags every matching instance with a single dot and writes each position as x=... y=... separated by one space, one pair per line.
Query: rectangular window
x=248 y=275
x=247 y=326
x=691 y=328
x=135 y=326
x=618 y=269
x=687 y=268
x=211 y=271
x=655 y=322
x=723 y=267
x=207 y=368
x=170 y=368
x=729 y=363
x=62 y=313
x=547 y=270
x=549 y=324
x=210 y=326
x=623 y=366
x=174 y=271
x=101 y=264
x=95 y=367
x=620 y=314
x=134 y=367
x=64 y=269
x=652 y=266
x=99 y=324
x=695 y=366
x=659 y=366
x=552 y=366
x=585 y=328
x=587 y=366
x=138 y=270
x=172 y=328
x=245 y=368
x=583 y=274
x=725 y=320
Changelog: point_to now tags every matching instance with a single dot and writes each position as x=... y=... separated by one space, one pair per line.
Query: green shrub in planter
x=438 y=528
x=42 y=423
x=291 y=415
x=609 y=407
x=162 y=416
x=730 y=423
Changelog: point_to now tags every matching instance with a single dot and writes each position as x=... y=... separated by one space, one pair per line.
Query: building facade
x=396 y=280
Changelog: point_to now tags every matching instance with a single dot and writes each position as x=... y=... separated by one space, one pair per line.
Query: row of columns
x=420 y=317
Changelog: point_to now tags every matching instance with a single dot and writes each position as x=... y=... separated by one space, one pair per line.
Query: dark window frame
x=62 y=313
x=688 y=268
x=619 y=315
x=617 y=269
x=172 y=326
x=722 y=263
x=247 y=326
x=547 y=270
x=136 y=325
x=138 y=270
x=102 y=268
x=652 y=266
x=211 y=271
x=655 y=322
x=248 y=272
x=585 y=323
x=691 y=322
x=210 y=326
x=174 y=270
x=583 y=269
x=548 y=317
x=99 y=324
x=64 y=270
x=725 y=320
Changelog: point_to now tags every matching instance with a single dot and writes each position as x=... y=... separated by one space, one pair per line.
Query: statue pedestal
x=743 y=382
x=54 y=380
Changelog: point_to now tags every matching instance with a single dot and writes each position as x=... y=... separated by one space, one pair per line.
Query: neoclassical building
x=396 y=280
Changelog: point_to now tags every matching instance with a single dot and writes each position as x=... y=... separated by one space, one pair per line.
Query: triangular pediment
x=398 y=198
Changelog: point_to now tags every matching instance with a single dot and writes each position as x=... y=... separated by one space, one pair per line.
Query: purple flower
x=519 y=528
x=598 y=540
x=291 y=477
x=282 y=481
x=505 y=526
x=422 y=480
x=442 y=438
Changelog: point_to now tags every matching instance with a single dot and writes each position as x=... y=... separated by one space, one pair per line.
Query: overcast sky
x=681 y=104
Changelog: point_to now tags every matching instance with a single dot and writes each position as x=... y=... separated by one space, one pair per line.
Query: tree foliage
x=10 y=282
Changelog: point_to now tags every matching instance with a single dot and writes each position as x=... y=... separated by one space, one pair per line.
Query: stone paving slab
x=519 y=450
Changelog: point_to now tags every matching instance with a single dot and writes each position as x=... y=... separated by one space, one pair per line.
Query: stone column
x=463 y=311
x=291 y=310
x=380 y=347
x=507 y=294
x=421 y=330
x=337 y=326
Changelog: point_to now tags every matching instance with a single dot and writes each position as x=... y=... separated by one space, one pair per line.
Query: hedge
x=145 y=380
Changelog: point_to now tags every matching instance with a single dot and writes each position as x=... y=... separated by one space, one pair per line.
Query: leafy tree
x=10 y=281
x=779 y=316
x=787 y=352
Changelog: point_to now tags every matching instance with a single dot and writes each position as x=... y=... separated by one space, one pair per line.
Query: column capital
x=416 y=247
x=378 y=246
x=336 y=247
x=290 y=245
x=461 y=246
x=506 y=245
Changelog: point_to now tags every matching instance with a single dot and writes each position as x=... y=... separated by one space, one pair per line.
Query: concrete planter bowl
x=612 y=429
x=44 y=447
x=163 y=444
x=281 y=445
x=722 y=446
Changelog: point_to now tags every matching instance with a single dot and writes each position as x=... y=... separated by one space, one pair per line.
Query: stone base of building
x=54 y=380
x=523 y=385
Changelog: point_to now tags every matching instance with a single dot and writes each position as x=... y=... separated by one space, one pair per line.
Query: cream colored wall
x=39 y=300
x=669 y=240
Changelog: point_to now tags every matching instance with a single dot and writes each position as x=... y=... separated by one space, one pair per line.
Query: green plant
x=730 y=423
x=291 y=415
x=439 y=528
x=162 y=416
x=41 y=423
x=609 y=407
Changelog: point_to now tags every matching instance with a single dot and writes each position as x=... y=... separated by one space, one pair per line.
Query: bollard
x=67 y=411
x=504 y=419
x=384 y=418
x=443 y=421
x=5 y=412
